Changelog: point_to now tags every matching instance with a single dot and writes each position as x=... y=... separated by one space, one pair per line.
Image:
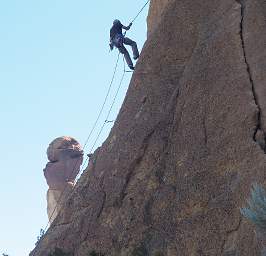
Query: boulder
x=65 y=156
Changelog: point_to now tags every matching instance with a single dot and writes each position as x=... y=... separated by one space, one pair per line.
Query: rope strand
x=140 y=11
x=107 y=94
x=109 y=112
x=86 y=142
x=98 y=117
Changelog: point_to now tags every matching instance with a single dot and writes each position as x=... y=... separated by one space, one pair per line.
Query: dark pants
x=124 y=51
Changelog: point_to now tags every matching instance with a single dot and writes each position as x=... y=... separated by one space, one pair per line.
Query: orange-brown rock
x=63 y=147
x=186 y=146
x=155 y=14
x=65 y=155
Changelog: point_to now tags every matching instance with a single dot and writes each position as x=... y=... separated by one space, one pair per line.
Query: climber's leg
x=134 y=46
x=124 y=51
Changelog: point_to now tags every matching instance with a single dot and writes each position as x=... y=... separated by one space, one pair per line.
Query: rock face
x=155 y=13
x=65 y=155
x=187 y=144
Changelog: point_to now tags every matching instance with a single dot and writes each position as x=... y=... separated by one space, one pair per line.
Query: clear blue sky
x=55 y=68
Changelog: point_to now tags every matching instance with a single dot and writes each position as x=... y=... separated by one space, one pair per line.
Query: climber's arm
x=127 y=27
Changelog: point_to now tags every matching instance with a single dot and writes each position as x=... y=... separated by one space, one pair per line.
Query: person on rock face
x=118 y=40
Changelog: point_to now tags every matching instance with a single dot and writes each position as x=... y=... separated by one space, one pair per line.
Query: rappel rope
x=111 y=107
x=140 y=11
x=106 y=119
x=98 y=117
x=104 y=102
x=99 y=133
x=86 y=142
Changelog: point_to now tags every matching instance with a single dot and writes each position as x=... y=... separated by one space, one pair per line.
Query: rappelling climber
x=118 y=40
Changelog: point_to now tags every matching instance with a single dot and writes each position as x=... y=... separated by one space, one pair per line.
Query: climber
x=118 y=40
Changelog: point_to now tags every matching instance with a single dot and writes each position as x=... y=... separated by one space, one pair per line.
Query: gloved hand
x=130 y=24
x=111 y=46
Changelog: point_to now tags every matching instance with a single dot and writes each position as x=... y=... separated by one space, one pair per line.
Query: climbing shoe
x=136 y=57
x=131 y=67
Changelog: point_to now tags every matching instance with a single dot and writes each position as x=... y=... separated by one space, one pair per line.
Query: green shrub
x=39 y=237
x=255 y=212
x=158 y=253
x=140 y=251
x=94 y=253
x=59 y=252
x=256 y=209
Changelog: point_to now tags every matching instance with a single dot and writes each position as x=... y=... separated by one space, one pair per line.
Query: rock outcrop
x=155 y=13
x=186 y=146
x=65 y=156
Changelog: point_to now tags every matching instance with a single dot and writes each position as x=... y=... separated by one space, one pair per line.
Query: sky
x=55 y=69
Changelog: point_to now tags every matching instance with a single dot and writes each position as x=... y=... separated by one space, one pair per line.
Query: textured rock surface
x=55 y=200
x=155 y=13
x=65 y=155
x=187 y=143
x=61 y=147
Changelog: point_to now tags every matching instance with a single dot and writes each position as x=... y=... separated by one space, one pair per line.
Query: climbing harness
x=99 y=114
x=118 y=41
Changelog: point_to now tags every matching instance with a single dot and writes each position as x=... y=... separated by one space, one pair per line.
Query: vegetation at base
x=94 y=253
x=59 y=252
x=255 y=212
x=39 y=237
x=158 y=253
x=263 y=253
x=140 y=251
x=256 y=209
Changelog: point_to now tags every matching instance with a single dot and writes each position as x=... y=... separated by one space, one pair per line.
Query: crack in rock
x=229 y=244
x=133 y=166
x=258 y=130
x=102 y=205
